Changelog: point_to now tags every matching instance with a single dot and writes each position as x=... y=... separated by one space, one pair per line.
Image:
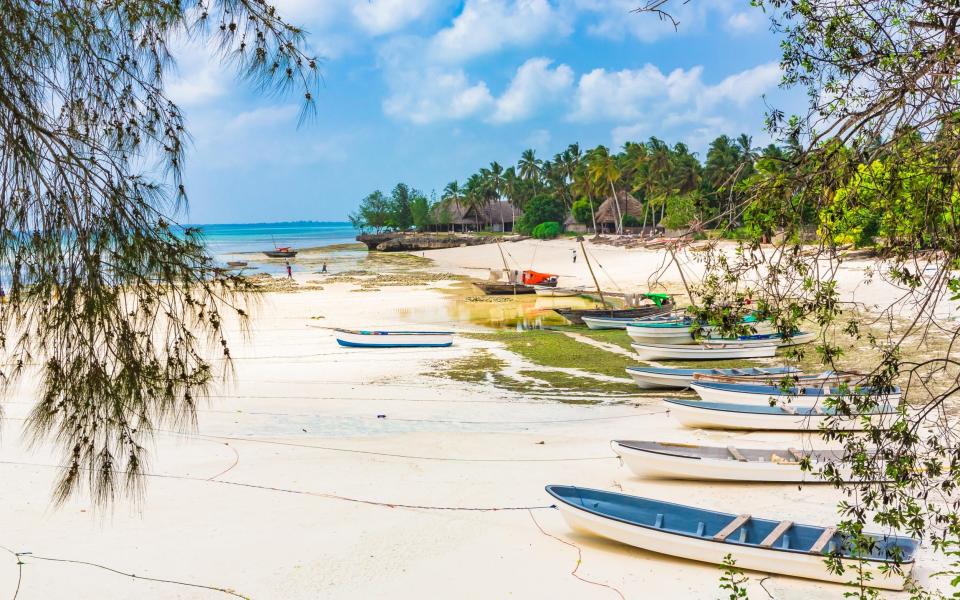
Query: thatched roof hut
x=608 y=216
x=460 y=217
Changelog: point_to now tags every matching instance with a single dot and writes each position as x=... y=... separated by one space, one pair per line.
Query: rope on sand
x=579 y=560
x=21 y=555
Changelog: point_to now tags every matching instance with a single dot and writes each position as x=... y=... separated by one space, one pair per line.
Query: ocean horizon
x=232 y=238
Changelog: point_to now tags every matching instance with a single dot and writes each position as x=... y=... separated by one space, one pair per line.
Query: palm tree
x=603 y=168
x=530 y=167
x=473 y=196
x=496 y=182
x=509 y=190
x=452 y=193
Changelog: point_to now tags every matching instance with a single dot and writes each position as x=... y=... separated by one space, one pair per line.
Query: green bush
x=541 y=209
x=581 y=211
x=630 y=221
x=546 y=231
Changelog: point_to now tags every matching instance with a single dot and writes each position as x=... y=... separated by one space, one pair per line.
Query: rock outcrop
x=412 y=242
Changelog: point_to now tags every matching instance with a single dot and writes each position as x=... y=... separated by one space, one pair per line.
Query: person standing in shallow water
x=289 y=271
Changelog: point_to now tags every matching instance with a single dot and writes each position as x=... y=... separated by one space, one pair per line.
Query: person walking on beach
x=324 y=269
x=289 y=271
x=573 y=251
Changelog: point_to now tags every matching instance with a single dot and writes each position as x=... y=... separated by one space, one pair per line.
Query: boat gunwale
x=752 y=409
x=730 y=540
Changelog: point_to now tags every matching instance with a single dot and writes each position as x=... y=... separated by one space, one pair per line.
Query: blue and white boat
x=679 y=331
x=352 y=338
x=664 y=377
x=752 y=393
x=602 y=322
x=764 y=545
x=698 y=414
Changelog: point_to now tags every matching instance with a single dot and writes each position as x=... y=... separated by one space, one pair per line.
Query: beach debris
x=381 y=416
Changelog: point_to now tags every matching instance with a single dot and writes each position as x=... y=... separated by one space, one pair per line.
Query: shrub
x=540 y=209
x=630 y=221
x=581 y=211
x=546 y=231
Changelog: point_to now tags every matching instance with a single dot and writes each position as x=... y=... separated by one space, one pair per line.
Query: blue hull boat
x=663 y=377
x=766 y=545
x=393 y=339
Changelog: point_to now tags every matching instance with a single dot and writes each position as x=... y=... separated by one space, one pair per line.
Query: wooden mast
x=589 y=266
x=506 y=268
x=673 y=254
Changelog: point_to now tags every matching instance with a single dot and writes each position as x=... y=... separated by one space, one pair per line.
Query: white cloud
x=378 y=17
x=436 y=94
x=198 y=77
x=264 y=116
x=627 y=94
x=747 y=21
x=745 y=86
x=486 y=26
x=533 y=85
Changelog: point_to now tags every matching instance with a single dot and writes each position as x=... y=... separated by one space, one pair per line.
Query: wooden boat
x=718 y=463
x=281 y=252
x=393 y=339
x=663 y=377
x=497 y=288
x=807 y=379
x=704 y=351
x=680 y=332
x=802 y=395
x=723 y=415
x=236 y=264
x=762 y=339
x=556 y=292
x=661 y=305
x=622 y=322
x=765 y=545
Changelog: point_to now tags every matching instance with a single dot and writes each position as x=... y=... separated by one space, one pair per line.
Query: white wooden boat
x=393 y=339
x=765 y=394
x=762 y=339
x=704 y=351
x=679 y=331
x=557 y=292
x=764 y=545
x=722 y=415
x=664 y=377
x=689 y=461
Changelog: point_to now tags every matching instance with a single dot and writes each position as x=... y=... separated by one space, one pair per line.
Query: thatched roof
x=607 y=212
x=460 y=213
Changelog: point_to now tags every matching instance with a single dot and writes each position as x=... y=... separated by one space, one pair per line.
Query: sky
x=429 y=91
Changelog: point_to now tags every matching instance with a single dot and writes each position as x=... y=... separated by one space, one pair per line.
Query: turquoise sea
x=229 y=239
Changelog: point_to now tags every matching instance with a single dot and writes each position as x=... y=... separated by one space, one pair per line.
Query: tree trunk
x=593 y=215
x=616 y=202
x=646 y=207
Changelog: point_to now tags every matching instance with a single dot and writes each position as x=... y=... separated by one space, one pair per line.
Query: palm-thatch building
x=611 y=212
x=458 y=216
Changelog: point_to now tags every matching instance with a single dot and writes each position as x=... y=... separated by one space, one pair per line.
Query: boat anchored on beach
x=766 y=545
x=718 y=463
x=698 y=414
x=352 y=338
x=705 y=351
x=764 y=395
x=281 y=252
x=664 y=377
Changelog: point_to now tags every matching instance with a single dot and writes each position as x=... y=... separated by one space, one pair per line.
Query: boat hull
x=658 y=378
x=699 y=417
x=575 y=315
x=703 y=352
x=555 y=292
x=607 y=322
x=350 y=339
x=806 y=566
x=273 y=254
x=648 y=335
x=712 y=394
x=646 y=463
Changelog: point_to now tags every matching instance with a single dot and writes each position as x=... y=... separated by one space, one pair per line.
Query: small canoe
x=661 y=305
x=704 y=351
x=807 y=379
x=762 y=339
x=751 y=393
x=764 y=545
x=496 y=288
x=679 y=331
x=556 y=292
x=236 y=264
x=393 y=339
x=280 y=253
x=718 y=463
x=698 y=414
x=663 y=377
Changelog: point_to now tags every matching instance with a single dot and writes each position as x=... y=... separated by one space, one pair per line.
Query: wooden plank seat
x=736 y=454
x=774 y=535
x=732 y=526
x=823 y=540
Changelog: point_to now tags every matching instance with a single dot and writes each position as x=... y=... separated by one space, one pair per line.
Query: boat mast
x=673 y=254
x=589 y=266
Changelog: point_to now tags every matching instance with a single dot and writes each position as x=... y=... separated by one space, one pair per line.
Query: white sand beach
x=324 y=472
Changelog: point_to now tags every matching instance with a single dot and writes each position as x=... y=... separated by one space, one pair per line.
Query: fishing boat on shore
x=598 y=323
x=704 y=351
x=281 y=252
x=718 y=463
x=352 y=338
x=765 y=545
x=698 y=414
x=236 y=264
x=800 y=395
x=576 y=315
x=664 y=377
